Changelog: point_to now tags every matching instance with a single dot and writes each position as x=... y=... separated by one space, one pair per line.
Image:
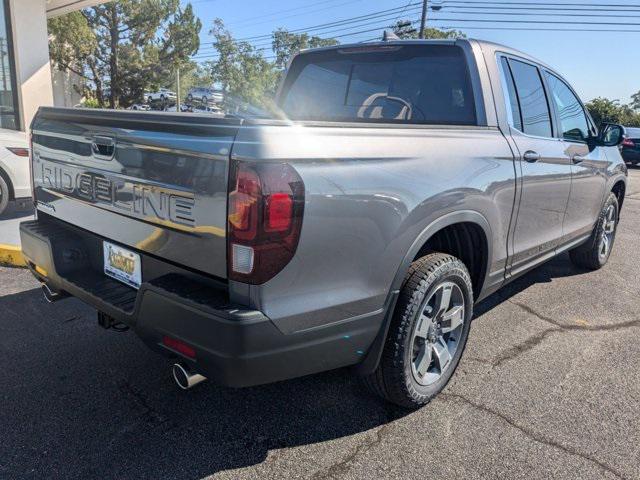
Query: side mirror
x=611 y=135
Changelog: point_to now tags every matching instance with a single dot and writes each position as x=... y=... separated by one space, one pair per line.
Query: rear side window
x=573 y=120
x=512 y=97
x=536 y=119
x=397 y=84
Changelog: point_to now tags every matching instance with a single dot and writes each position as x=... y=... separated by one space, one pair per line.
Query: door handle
x=576 y=159
x=531 y=156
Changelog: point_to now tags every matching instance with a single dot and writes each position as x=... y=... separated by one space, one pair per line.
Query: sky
x=601 y=63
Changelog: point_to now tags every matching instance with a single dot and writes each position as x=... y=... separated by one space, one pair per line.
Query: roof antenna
x=388 y=36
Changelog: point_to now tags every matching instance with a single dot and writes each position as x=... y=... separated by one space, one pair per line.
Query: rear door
x=152 y=182
x=588 y=163
x=544 y=167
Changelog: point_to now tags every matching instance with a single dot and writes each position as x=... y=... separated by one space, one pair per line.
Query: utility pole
x=423 y=20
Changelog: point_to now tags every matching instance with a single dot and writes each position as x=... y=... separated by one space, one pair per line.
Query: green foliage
x=285 y=45
x=405 y=30
x=122 y=48
x=245 y=75
x=195 y=75
x=635 y=100
x=604 y=110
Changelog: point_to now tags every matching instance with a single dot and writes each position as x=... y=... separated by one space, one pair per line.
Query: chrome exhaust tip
x=52 y=296
x=185 y=378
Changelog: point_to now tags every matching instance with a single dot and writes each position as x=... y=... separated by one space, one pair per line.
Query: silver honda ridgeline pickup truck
x=403 y=182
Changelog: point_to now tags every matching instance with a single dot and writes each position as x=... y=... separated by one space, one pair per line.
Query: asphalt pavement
x=549 y=387
x=10 y=222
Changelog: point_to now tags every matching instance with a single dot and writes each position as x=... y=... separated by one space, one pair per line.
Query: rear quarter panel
x=370 y=193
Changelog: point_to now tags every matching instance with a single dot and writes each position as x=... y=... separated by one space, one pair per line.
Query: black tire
x=395 y=378
x=150 y=100
x=4 y=195
x=590 y=255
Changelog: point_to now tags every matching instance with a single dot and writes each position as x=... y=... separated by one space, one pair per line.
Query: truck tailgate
x=154 y=182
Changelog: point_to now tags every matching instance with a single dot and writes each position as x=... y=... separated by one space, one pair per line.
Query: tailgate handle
x=103 y=148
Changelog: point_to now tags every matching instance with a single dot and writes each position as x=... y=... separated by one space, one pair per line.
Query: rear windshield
x=403 y=84
x=632 y=132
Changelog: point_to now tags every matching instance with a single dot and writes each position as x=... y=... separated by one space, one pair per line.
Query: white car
x=14 y=167
x=163 y=94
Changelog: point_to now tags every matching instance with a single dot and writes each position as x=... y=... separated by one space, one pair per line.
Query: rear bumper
x=235 y=346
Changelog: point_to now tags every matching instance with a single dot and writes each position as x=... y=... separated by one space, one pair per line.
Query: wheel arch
x=7 y=179
x=472 y=220
x=469 y=219
x=619 y=188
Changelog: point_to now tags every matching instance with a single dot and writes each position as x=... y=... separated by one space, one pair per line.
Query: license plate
x=122 y=264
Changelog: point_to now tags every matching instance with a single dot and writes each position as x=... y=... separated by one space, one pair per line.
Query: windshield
x=403 y=84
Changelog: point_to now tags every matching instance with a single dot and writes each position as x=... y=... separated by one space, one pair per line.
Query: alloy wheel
x=437 y=333
x=608 y=232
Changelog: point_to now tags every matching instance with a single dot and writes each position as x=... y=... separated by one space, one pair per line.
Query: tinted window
x=536 y=119
x=512 y=99
x=407 y=84
x=632 y=132
x=573 y=121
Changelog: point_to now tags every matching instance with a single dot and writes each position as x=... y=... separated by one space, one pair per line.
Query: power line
x=539 y=29
x=325 y=32
x=560 y=22
x=536 y=4
x=322 y=29
x=368 y=16
x=336 y=36
x=304 y=7
x=298 y=14
x=584 y=8
x=540 y=14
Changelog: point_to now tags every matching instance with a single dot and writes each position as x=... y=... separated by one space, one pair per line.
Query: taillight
x=266 y=204
x=32 y=180
x=19 y=151
x=627 y=142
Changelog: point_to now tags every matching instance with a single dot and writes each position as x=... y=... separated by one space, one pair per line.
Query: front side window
x=536 y=119
x=396 y=84
x=573 y=120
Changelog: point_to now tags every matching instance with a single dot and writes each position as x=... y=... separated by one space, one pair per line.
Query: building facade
x=25 y=69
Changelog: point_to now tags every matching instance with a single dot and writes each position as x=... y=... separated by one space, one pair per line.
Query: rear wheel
x=428 y=332
x=595 y=253
x=4 y=195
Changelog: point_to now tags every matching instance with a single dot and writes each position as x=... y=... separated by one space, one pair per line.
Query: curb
x=11 y=255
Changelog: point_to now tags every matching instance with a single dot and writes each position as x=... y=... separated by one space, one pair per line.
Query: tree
x=121 y=48
x=635 y=101
x=603 y=110
x=285 y=45
x=195 y=75
x=405 y=30
x=245 y=75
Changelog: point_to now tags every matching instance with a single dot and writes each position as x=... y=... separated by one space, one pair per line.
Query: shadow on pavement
x=17 y=210
x=81 y=402
x=558 y=267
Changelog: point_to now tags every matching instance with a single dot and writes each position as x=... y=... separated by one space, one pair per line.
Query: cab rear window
x=413 y=84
